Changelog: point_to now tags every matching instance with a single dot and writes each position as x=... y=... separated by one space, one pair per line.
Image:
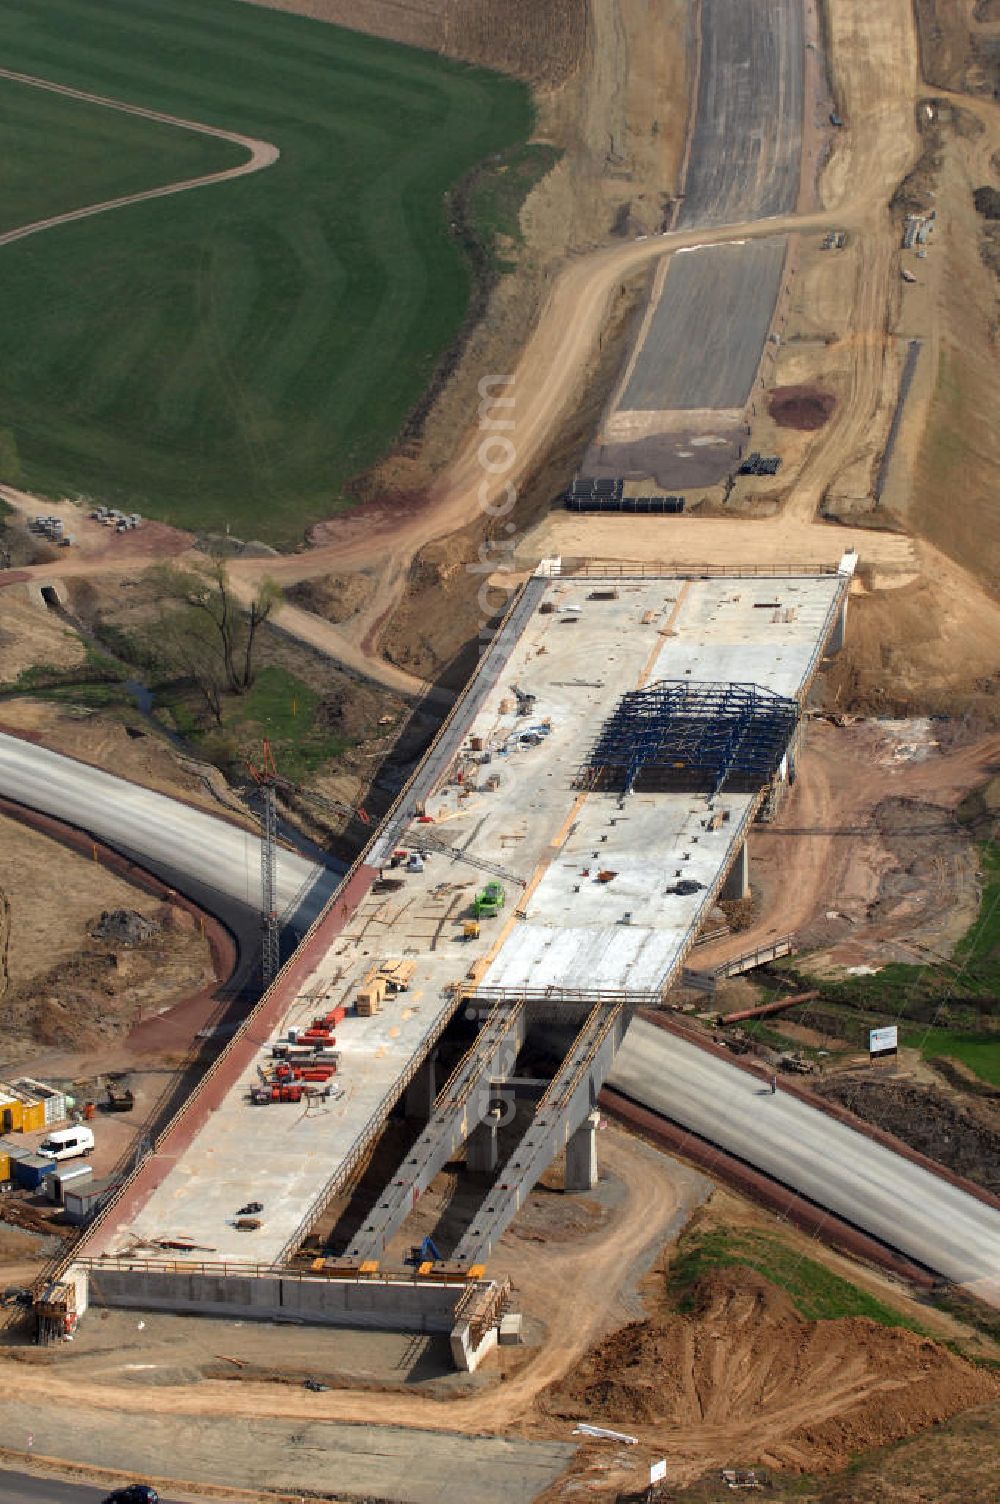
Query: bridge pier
x=581 y=1156
x=481 y=1153
x=418 y=1101
x=737 y=883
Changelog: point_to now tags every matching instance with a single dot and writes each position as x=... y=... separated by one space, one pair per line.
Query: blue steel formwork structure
x=675 y=734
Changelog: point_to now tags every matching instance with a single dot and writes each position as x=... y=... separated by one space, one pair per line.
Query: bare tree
x=187 y=646
x=205 y=597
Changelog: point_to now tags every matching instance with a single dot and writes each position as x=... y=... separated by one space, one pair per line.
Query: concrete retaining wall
x=385 y=1305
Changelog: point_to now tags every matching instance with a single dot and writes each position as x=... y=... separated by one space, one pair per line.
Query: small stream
x=141 y=694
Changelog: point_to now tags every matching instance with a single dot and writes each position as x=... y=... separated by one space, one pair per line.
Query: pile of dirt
x=335 y=597
x=804 y=407
x=964 y=1140
x=745 y=1373
x=931 y=887
x=124 y=927
x=987 y=202
x=105 y=989
x=930 y=647
x=954 y=54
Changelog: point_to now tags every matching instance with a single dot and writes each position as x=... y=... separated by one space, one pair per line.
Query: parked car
x=67 y=1143
x=134 y=1493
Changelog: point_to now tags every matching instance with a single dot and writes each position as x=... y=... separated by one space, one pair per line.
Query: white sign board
x=657 y=1472
x=883 y=1041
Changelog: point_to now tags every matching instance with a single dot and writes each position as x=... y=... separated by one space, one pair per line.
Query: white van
x=67 y=1143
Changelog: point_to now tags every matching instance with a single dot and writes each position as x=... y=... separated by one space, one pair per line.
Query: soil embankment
x=744 y=1375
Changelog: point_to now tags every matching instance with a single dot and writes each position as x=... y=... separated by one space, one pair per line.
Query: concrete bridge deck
x=576 y=644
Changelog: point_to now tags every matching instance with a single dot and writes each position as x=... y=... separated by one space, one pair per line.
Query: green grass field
x=235 y=353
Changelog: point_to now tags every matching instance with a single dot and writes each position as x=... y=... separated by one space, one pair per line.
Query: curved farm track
x=262 y=154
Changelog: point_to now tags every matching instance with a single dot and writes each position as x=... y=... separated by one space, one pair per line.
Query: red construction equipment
x=315 y=1072
x=286 y=1091
x=330 y=1020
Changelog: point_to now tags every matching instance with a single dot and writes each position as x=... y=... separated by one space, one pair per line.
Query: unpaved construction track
x=262 y=154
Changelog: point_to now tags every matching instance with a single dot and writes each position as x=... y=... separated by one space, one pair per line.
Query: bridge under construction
x=545 y=872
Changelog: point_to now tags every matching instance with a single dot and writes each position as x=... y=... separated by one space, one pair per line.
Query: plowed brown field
x=541 y=40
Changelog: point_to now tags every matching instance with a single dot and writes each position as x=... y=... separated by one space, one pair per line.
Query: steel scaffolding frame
x=699 y=737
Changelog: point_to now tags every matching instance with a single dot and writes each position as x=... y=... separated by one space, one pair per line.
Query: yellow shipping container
x=4 y=1165
x=20 y=1111
x=32 y=1116
x=11 y=1113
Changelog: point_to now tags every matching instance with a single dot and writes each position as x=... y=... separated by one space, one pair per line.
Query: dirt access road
x=262 y=154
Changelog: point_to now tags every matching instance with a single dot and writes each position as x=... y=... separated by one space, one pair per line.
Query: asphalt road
x=703 y=346
x=175 y=840
x=903 y=1205
x=22 y=1488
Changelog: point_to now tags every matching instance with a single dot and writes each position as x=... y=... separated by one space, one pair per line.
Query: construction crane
x=266 y=777
x=431 y=843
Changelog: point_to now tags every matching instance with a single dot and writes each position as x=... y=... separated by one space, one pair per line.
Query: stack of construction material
x=371 y=995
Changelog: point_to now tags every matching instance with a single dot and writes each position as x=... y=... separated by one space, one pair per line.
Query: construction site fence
x=625 y=569
x=126 y=1265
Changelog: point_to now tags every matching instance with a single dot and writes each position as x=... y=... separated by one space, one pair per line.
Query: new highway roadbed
x=702 y=347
